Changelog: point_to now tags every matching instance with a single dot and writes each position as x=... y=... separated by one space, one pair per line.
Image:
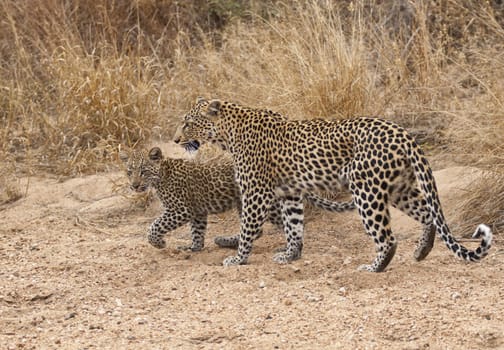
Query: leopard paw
x=233 y=261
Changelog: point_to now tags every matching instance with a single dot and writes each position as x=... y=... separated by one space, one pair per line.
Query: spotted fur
x=190 y=191
x=277 y=158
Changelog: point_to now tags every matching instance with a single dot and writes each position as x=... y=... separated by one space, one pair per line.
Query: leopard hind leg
x=371 y=199
x=411 y=201
x=198 y=229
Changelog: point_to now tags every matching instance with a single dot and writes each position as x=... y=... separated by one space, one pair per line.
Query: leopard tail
x=329 y=205
x=425 y=178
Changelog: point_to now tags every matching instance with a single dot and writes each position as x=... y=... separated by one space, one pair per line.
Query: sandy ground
x=77 y=273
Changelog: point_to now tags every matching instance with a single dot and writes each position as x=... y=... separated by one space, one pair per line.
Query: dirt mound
x=77 y=272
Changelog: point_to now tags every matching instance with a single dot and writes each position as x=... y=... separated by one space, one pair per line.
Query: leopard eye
x=145 y=172
x=129 y=172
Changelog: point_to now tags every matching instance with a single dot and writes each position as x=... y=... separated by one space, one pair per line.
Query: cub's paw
x=191 y=248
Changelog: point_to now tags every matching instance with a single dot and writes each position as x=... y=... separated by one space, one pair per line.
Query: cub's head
x=142 y=168
x=198 y=126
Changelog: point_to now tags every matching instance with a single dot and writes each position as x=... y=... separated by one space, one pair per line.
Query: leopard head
x=199 y=126
x=142 y=168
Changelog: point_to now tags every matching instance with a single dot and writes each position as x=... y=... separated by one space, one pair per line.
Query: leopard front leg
x=255 y=209
x=198 y=229
x=293 y=222
x=274 y=217
x=169 y=221
x=249 y=233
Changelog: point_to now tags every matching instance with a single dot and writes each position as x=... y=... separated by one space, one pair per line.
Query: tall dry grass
x=80 y=78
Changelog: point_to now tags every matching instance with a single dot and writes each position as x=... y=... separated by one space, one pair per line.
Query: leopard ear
x=214 y=107
x=155 y=154
x=200 y=99
x=124 y=156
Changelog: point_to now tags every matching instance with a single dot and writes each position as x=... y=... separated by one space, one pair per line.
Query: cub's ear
x=200 y=99
x=155 y=154
x=124 y=156
x=214 y=107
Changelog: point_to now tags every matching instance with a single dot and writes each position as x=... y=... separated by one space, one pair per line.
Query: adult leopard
x=278 y=158
x=190 y=191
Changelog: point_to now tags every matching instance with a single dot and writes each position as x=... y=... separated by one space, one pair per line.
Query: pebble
x=70 y=315
x=140 y=320
x=313 y=298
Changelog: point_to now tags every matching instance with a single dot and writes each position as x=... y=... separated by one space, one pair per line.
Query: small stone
x=295 y=268
x=342 y=291
x=455 y=295
x=312 y=298
x=70 y=315
x=140 y=320
x=262 y=284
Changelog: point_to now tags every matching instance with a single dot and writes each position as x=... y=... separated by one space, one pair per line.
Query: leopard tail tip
x=486 y=232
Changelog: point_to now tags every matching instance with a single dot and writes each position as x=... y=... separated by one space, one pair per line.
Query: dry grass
x=10 y=190
x=10 y=187
x=485 y=203
x=79 y=78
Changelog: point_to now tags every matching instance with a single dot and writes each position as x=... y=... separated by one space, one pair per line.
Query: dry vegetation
x=79 y=78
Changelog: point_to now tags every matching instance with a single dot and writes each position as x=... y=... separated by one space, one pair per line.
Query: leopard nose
x=177 y=140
